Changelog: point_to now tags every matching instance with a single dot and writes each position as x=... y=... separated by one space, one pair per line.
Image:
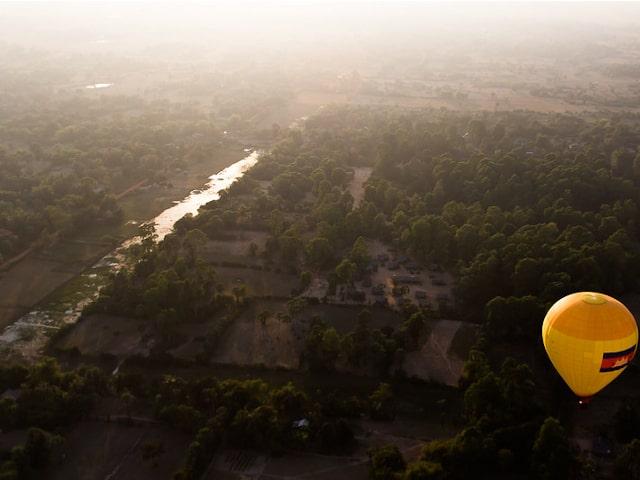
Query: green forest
x=522 y=208
x=309 y=241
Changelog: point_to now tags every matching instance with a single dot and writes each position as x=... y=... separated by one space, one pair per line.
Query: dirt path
x=132 y=188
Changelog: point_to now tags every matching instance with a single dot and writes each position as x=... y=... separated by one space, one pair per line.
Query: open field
x=475 y=80
x=279 y=343
x=37 y=277
x=274 y=343
x=106 y=334
x=236 y=246
x=259 y=283
x=408 y=434
x=435 y=360
x=34 y=278
x=247 y=341
x=113 y=451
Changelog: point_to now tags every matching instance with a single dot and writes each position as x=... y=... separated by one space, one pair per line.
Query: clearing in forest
x=356 y=188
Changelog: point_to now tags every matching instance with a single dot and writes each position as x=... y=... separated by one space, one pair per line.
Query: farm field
x=98 y=449
x=36 y=278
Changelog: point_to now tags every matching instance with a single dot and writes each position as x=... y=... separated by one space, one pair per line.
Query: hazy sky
x=299 y=27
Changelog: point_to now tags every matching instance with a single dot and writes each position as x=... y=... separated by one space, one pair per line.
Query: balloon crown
x=593 y=298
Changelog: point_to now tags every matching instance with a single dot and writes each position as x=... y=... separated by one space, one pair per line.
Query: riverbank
x=41 y=276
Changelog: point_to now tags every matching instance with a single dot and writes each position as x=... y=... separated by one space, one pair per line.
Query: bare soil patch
x=259 y=283
x=107 y=334
x=356 y=187
x=435 y=360
x=114 y=451
x=238 y=243
x=249 y=341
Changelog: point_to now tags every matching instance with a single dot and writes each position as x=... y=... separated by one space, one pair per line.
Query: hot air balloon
x=590 y=339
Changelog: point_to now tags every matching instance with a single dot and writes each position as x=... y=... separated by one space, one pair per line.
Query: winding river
x=28 y=335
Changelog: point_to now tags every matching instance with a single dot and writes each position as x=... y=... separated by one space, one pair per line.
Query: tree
x=526 y=276
x=627 y=422
x=345 y=271
x=484 y=399
x=627 y=464
x=360 y=253
x=518 y=389
x=305 y=280
x=382 y=404
x=127 y=400
x=423 y=470
x=551 y=457
x=319 y=252
x=414 y=330
x=476 y=367
x=37 y=451
x=194 y=242
x=322 y=347
x=386 y=463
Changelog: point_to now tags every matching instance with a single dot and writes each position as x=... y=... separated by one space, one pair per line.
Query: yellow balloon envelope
x=590 y=339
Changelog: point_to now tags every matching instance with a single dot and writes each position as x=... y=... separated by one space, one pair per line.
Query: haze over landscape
x=320 y=240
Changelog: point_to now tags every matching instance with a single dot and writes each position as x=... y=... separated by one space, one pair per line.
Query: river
x=29 y=334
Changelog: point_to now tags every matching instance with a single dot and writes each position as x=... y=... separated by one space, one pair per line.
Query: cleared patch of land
x=408 y=434
x=106 y=334
x=110 y=450
x=435 y=360
x=259 y=283
x=356 y=187
x=237 y=244
x=249 y=341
